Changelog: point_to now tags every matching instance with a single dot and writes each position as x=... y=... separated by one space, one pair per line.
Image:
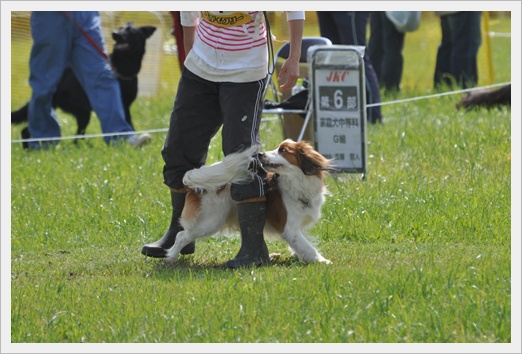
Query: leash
x=89 y=38
x=271 y=64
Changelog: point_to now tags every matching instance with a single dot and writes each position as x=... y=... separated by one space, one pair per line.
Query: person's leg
x=376 y=44
x=352 y=29
x=327 y=27
x=466 y=39
x=241 y=131
x=443 y=61
x=195 y=119
x=48 y=60
x=392 y=63
x=95 y=74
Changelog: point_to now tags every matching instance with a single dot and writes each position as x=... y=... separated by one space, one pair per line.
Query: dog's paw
x=321 y=259
x=170 y=261
x=275 y=256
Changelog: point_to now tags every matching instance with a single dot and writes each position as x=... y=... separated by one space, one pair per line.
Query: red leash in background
x=93 y=43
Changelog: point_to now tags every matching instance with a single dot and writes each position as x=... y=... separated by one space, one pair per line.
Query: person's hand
x=288 y=74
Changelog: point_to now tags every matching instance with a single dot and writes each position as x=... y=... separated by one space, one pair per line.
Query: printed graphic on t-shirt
x=226 y=19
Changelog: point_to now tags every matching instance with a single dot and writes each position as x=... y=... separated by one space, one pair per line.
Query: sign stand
x=337 y=83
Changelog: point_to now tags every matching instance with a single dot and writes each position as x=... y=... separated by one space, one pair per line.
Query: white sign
x=339 y=107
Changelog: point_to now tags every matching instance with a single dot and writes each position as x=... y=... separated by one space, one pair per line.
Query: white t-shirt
x=229 y=46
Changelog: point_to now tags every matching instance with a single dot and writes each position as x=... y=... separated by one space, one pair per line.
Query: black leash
x=271 y=64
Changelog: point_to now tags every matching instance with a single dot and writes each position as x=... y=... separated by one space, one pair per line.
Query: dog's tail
x=234 y=168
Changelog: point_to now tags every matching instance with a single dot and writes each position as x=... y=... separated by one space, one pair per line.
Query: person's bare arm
x=189 y=35
x=290 y=69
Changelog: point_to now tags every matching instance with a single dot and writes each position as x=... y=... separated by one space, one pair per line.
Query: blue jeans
x=57 y=43
x=349 y=28
x=457 y=52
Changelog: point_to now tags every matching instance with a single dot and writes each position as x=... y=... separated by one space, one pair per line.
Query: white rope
x=88 y=136
x=499 y=34
x=437 y=95
x=163 y=130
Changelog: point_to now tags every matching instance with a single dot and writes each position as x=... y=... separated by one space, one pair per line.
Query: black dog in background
x=126 y=59
x=486 y=98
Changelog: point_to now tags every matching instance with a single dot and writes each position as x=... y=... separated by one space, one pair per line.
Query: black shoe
x=154 y=250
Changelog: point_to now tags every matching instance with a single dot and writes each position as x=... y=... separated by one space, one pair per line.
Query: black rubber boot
x=253 y=249
x=159 y=248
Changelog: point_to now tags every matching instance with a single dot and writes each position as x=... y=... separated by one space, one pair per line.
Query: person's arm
x=189 y=35
x=290 y=69
x=189 y=20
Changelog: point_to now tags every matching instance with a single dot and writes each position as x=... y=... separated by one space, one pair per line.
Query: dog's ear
x=309 y=167
x=117 y=37
x=147 y=31
x=312 y=162
x=307 y=160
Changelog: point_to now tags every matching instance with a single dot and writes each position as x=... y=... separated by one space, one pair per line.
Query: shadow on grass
x=190 y=266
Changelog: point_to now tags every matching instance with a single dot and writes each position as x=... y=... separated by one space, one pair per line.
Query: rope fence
x=164 y=130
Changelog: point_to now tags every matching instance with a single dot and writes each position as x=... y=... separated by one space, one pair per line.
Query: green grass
x=421 y=249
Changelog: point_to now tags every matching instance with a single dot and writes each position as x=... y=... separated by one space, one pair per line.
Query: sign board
x=339 y=105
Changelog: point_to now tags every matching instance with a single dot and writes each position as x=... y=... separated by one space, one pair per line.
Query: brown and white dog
x=296 y=194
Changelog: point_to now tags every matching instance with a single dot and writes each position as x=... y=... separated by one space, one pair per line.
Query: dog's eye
x=281 y=149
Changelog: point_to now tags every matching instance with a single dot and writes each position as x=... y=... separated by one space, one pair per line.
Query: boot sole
x=154 y=252
x=236 y=264
x=158 y=252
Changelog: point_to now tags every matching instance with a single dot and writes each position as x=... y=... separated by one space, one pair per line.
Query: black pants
x=201 y=108
x=385 y=50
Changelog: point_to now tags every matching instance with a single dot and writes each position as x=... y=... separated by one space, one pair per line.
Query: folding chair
x=292 y=119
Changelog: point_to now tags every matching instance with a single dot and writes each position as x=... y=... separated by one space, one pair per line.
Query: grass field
x=421 y=248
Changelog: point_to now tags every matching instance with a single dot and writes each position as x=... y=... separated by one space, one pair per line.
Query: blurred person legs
x=457 y=52
x=385 y=51
x=349 y=28
x=57 y=43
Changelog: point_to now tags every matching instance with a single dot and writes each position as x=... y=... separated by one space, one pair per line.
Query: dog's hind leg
x=83 y=117
x=301 y=247
x=25 y=135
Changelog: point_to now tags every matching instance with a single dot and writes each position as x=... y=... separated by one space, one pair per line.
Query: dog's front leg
x=182 y=239
x=301 y=247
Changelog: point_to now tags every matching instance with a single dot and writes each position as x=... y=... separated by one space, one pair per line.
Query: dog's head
x=129 y=50
x=132 y=38
x=290 y=156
